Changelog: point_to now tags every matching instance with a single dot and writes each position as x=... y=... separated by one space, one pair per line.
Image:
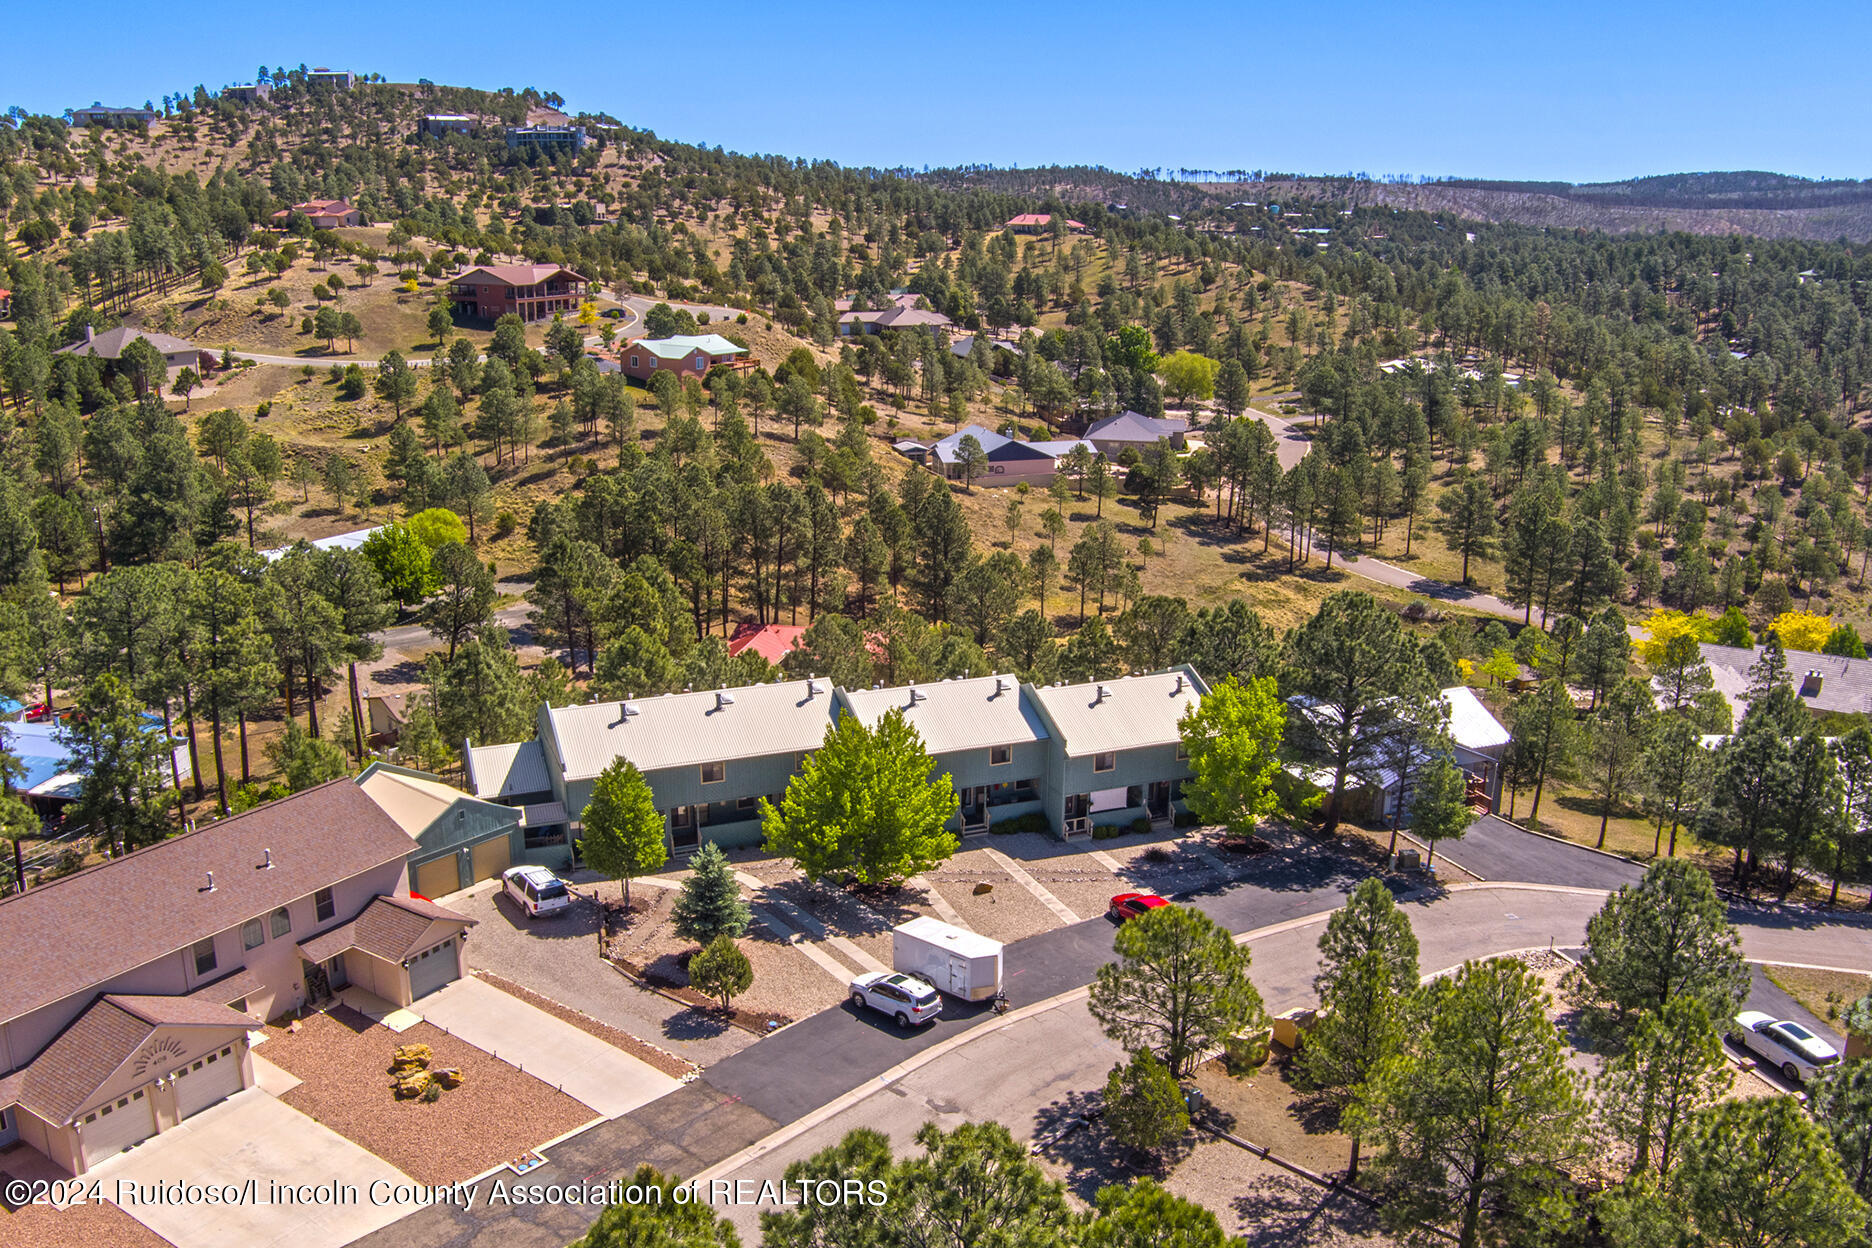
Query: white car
x=536 y=891
x=1787 y=1046
x=904 y=997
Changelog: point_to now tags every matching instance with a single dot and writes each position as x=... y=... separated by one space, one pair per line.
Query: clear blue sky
x=1580 y=90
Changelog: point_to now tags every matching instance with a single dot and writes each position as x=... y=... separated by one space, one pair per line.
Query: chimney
x=723 y=699
x=267 y=863
x=1810 y=685
x=88 y=334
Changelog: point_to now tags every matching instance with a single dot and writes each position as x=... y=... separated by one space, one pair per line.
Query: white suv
x=537 y=891
x=1786 y=1046
x=904 y=997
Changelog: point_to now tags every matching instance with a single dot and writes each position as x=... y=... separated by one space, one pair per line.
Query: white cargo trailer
x=961 y=963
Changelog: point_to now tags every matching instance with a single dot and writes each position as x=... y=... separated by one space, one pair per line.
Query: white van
x=537 y=891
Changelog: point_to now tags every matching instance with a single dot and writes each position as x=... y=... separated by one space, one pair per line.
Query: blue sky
x=1579 y=91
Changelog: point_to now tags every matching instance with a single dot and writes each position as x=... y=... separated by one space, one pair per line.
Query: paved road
x=1290 y=445
x=1494 y=849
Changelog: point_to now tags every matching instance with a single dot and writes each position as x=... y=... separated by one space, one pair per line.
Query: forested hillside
x=1572 y=420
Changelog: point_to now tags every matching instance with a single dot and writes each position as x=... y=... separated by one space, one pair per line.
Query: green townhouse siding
x=1102 y=753
x=445 y=823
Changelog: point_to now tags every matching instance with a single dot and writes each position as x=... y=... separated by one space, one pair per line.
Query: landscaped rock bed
x=496 y=1114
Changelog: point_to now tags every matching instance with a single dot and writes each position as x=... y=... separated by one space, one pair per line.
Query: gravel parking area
x=497 y=1114
x=1079 y=880
x=558 y=959
x=80 y=1226
x=1008 y=913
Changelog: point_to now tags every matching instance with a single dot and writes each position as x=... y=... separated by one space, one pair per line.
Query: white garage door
x=108 y=1131
x=433 y=969
x=207 y=1081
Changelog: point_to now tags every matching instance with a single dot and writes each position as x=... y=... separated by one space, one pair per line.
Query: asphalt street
x=1494 y=849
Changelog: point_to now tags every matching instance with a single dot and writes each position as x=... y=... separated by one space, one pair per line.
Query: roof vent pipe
x=1103 y=693
x=916 y=695
x=1179 y=685
x=723 y=700
x=210 y=887
x=267 y=865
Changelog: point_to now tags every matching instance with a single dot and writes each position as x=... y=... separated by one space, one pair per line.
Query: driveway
x=558 y=958
x=577 y=1063
x=251 y=1136
x=1494 y=849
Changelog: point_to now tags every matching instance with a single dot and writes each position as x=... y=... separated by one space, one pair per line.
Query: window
x=1104 y=762
x=701 y=363
x=282 y=923
x=253 y=934
x=539 y=838
x=634 y=363
x=713 y=773
x=1000 y=755
x=745 y=803
x=323 y=905
x=204 y=956
x=799 y=760
x=681 y=817
x=1182 y=751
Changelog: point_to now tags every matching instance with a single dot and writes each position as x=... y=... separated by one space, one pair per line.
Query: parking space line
x=1060 y=909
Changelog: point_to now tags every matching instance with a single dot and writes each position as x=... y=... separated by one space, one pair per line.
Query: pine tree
x=710 y=903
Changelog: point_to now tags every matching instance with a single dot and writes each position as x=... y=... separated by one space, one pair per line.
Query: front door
x=685 y=833
x=975 y=809
x=1158 y=800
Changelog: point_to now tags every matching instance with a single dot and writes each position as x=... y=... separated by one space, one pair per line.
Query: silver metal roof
x=503 y=771
x=1130 y=712
x=686 y=729
x=955 y=714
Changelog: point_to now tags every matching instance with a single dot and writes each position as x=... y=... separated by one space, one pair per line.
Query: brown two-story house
x=534 y=292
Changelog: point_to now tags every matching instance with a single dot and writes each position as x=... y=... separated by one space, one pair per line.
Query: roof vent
x=210 y=886
x=1179 y=685
x=813 y=687
x=1000 y=687
x=628 y=708
x=916 y=695
x=1810 y=685
x=723 y=699
x=267 y=863
x=1103 y=693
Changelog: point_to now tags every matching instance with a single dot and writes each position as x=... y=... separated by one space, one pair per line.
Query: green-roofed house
x=687 y=355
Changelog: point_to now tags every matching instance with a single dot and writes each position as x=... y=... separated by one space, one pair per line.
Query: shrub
x=1140 y=824
x=741 y=319
x=1031 y=822
x=432 y=1093
x=1185 y=819
x=504 y=524
x=1243 y=1054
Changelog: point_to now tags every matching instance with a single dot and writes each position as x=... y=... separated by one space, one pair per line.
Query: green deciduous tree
x=1180 y=985
x=721 y=970
x=868 y=803
x=624 y=835
x=1231 y=737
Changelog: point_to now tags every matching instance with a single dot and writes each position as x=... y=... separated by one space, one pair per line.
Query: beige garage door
x=438 y=877
x=492 y=857
x=108 y=1131
x=207 y=1081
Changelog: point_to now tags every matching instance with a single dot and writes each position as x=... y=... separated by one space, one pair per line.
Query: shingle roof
x=772 y=642
x=518 y=274
x=1137 y=427
x=72 y=1068
x=955 y=714
x=110 y=344
x=391 y=928
x=686 y=729
x=71 y=934
x=1001 y=448
x=1845 y=684
x=1134 y=711
x=503 y=771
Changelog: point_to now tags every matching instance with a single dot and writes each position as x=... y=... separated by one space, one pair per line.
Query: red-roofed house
x=534 y=292
x=6 y=302
x=772 y=642
x=1039 y=223
x=325 y=214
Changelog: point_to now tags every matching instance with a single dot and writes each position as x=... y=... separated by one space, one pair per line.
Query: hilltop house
x=898 y=316
x=1040 y=223
x=1080 y=755
x=684 y=354
x=324 y=214
x=1008 y=461
x=1825 y=682
x=109 y=345
x=249 y=92
x=131 y=986
x=115 y=118
x=1480 y=745
x=534 y=292
x=772 y=642
x=1134 y=431
x=547 y=136
x=439 y=124
x=343 y=79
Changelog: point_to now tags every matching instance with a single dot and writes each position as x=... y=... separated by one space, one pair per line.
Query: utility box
x=961 y=963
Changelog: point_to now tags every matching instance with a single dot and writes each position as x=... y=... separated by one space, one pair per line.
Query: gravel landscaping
x=101 y=1225
x=1270 y=1207
x=1008 y=913
x=496 y=1115
x=1265 y=1108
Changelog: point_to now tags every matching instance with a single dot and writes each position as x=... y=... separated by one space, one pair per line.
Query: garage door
x=433 y=969
x=438 y=877
x=108 y=1131
x=491 y=857
x=207 y=1081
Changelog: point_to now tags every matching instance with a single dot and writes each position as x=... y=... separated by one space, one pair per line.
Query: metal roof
x=1120 y=714
x=955 y=714
x=1472 y=725
x=503 y=771
x=1137 y=427
x=414 y=799
x=686 y=729
x=677 y=346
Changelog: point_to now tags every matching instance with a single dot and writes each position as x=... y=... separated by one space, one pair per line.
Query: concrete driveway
x=582 y=1066
x=252 y=1136
x=1494 y=849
